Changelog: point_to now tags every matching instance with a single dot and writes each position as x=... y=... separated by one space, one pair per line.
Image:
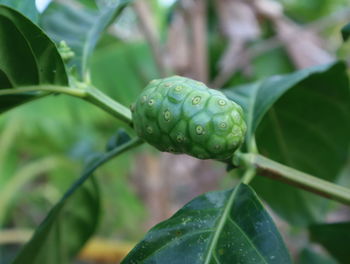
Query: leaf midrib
x=222 y=221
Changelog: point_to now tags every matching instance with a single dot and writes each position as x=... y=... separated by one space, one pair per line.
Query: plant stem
x=277 y=171
x=249 y=175
x=106 y=103
x=87 y=93
x=45 y=88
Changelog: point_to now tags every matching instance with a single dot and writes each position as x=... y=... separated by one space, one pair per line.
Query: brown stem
x=148 y=27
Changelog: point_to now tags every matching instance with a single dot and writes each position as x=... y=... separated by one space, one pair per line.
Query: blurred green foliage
x=47 y=142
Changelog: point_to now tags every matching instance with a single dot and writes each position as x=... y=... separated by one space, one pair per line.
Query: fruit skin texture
x=181 y=115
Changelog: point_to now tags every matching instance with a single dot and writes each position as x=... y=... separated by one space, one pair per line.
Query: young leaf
x=302 y=120
x=73 y=219
x=28 y=58
x=26 y=7
x=80 y=28
x=345 y=32
x=218 y=227
x=334 y=237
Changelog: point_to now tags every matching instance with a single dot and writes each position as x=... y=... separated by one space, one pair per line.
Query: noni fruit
x=181 y=115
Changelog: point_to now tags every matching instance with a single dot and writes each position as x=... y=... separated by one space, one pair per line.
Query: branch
x=280 y=172
x=251 y=52
x=196 y=16
x=148 y=27
x=106 y=103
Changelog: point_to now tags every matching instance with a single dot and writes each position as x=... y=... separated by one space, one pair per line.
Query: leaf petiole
x=88 y=93
x=274 y=170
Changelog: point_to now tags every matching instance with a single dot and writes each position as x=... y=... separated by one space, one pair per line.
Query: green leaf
x=80 y=28
x=309 y=256
x=345 y=32
x=301 y=120
x=257 y=98
x=73 y=219
x=26 y=7
x=334 y=237
x=218 y=227
x=66 y=228
x=28 y=58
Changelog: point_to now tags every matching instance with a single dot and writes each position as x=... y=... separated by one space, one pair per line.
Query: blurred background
x=223 y=43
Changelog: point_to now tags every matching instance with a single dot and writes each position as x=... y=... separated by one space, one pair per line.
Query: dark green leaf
x=345 y=32
x=257 y=98
x=80 y=28
x=66 y=228
x=218 y=227
x=26 y=7
x=301 y=120
x=309 y=256
x=28 y=58
x=335 y=238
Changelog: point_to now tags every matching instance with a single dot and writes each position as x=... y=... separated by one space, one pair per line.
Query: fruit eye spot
x=196 y=100
x=149 y=129
x=179 y=138
x=221 y=102
x=151 y=102
x=178 y=88
x=222 y=125
x=217 y=146
x=199 y=130
x=168 y=84
x=167 y=115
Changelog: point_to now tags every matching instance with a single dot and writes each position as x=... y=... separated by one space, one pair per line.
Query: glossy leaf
x=80 y=28
x=28 y=58
x=218 y=227
x=345 y=32
x=301 y=120
x=257 y=98
x=334 y=238
x=26 y=7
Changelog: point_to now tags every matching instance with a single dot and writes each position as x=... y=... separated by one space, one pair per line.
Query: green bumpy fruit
x=180 y=115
